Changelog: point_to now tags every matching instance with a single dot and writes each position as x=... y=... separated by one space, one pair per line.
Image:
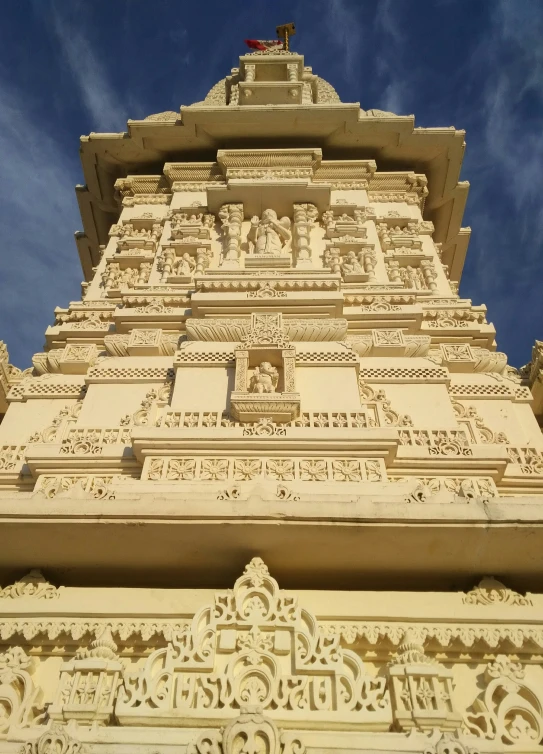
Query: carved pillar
x=289 y=370
x=429 y=273
x=231 y=216
x=110 y=275
x=393 y=271
x=250 y=73
x=144 y=272
x=304 y=218
x=168 y=260
x=332 y=259
x=202 y=260
x=369 y=264
x=292 y=70
x=242 y=368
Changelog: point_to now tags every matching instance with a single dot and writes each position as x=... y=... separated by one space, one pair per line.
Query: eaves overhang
x=342 y=131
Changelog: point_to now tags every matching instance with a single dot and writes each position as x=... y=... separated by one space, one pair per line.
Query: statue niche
x=269 y=240
x=265 y=373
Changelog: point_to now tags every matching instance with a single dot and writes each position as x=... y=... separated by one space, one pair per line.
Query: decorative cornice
x=33 y=585
x=490 y=591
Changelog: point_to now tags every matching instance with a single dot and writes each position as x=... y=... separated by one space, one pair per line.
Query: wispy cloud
x=504 y=162
x=105 y=107
x=393 y=84
x=345 y=30
x=37 y=212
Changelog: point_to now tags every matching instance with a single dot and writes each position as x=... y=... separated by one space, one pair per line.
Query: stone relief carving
x=421 y=688
x=88 y=684
x=510 y=709
x=269 y=235
x=490 y=591
x=56 y=740
x=255 y=646
x=264 y=378
x=19 y=699
x=251 y=732
x=33 y=585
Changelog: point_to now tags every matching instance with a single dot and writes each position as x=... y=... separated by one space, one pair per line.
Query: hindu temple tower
x=270 y=488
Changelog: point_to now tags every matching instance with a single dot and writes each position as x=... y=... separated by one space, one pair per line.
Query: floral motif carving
x=265 y=427
x=56 y=740
x=490 y=591
x=276 y=658
x=510 y=709
x=246 y=469
x=390 y=418
x=280 y=469
x=34 y=584
x=19 y=699
x=214 y=469
x=251 y=732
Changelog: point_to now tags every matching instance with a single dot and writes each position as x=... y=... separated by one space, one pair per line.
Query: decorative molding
x=490 y=591
x=34 y=585
x=217 y=469
x=250 y=732
x=20 y=700
x=258 y=631
x=510 y=709
x=55 y=740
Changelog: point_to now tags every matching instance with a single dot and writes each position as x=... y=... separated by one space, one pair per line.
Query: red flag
x=264 y=44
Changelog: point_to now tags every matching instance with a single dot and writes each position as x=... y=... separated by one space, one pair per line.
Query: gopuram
x=270 y=488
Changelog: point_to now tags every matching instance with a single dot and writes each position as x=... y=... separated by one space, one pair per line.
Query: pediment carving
x=254 y=646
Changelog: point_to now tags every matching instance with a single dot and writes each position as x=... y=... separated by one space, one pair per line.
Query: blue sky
x=68 y=67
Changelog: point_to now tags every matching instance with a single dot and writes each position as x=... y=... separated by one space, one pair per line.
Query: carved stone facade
x=271 y=366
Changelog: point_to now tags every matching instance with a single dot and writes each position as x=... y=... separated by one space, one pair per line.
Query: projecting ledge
x=340 y=542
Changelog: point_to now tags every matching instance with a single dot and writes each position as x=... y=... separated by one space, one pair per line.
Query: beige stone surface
x=270 y=488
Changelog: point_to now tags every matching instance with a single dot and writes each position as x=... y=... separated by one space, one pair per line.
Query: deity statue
x=350 y=264
x=269 y=235
x=264 y=378
x=411 y=278
x=186 y=265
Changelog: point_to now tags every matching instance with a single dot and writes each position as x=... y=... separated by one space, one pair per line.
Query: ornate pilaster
x=231 y=216
x=304 y=220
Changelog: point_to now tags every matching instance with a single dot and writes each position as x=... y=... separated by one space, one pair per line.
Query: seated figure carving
x=350 y=265
x=269 y=235
x=264 y=379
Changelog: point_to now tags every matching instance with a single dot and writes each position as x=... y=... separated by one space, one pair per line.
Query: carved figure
x=186 y=265
x=264 y=379
x=269 y=235
x=350 y=264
